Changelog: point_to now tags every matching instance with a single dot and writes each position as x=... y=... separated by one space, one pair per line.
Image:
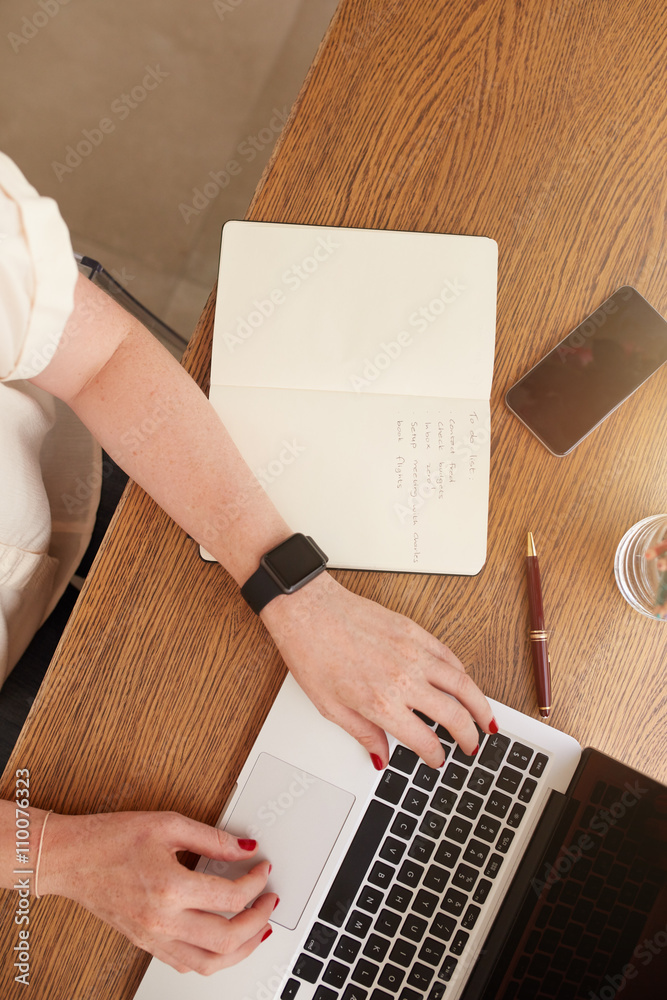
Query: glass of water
x=642 y=581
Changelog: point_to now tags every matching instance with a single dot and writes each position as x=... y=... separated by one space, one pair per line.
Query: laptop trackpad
x=295 y=818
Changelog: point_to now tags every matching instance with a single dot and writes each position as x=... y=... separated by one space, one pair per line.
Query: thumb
x=212 y=842
x=372 y=738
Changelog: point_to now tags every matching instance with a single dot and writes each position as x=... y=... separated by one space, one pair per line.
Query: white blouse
x=50 y=466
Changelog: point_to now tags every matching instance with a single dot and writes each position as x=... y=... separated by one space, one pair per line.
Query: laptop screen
x=586 y=916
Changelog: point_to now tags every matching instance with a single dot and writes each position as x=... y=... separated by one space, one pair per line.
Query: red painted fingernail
x=270 y=869
x=267 y=933
x=276 y=902
x=247 y=845
x=377 y=762
x=475 y=750
x=493 y=726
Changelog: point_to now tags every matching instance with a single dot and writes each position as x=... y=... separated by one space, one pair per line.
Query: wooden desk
x=542 y=126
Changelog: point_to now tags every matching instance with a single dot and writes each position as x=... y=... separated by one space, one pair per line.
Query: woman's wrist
x=52 y=877
x=288 y=611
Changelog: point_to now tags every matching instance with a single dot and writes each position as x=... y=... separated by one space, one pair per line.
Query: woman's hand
x=366 y=668
x=123 y=868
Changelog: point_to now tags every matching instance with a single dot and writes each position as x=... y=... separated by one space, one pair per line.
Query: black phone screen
x=591 y=371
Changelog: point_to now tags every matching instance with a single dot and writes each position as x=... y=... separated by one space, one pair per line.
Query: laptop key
x=504 y=841
x=291 y=989
x=392 y=850
x=447 y=854
x=421 y=849
x=516 y=815
x=365 y=972
x=463 y=758
x=414 y=928
x=420 y=976
x=465 y=877
x=402 y=953
x=469 y=805
x=494 y=751
x=436 y=878
x=381 y=875
x=324 y=993
x=480 y=781
x=391 y=786
x=454 y=902
x=519 y=756
x=335 y=974
x=358 y=924
x=410 y=873
x=426 y=778
x=347 y=949
x=403 y=759
x=308 y=968
x=538 y=765
x=498 y=804
x=476 y=852
x=387 y=923
x=425 y=903
x=370 y=899
x=431 y=951
x=493 y=867
x=487 y=828
x=353 y=992
x=391 y=978
x=470 y=917
x=320 y=941
x=399 y=899
x=455 y=775
x=527 y=789
x=425 y=718
x=459 y=943
x=482 y=891
x=437 y=991
x=415 y=801
x=448 y=967
x=444 y=801
x=458 y=830
x=403 y=826
x=353 y=870
x=432 y=824
x=376 y=948
x=509 y=780
x=443 y=926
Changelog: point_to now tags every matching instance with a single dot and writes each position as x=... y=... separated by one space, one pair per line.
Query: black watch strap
x=286 y=568
x=259 y=589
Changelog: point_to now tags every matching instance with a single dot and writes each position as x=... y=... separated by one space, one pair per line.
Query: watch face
x=294 y=560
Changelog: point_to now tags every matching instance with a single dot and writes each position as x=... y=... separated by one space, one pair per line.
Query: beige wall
x=156 y=95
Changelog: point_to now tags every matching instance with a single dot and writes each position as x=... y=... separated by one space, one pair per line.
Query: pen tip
x=531 y=545
x=545 y=713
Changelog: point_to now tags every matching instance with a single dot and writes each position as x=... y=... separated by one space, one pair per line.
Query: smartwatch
x=287 y=568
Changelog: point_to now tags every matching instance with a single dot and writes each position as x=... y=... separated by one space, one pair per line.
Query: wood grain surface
x=541 y=125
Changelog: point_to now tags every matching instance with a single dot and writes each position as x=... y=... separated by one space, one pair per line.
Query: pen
x=537 y=635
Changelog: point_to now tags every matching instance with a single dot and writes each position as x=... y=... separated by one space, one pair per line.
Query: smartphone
x=589 y=373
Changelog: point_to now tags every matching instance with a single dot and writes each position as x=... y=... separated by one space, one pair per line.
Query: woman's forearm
x=143 y=407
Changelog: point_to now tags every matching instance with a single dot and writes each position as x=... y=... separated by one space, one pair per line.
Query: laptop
x=532 y=870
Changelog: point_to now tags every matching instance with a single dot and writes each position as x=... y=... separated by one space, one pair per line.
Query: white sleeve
x=37 y=276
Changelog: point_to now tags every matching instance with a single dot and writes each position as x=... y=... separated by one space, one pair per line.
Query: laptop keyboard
x=403 y=906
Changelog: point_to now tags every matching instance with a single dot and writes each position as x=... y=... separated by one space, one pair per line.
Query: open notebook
x=353 y=370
